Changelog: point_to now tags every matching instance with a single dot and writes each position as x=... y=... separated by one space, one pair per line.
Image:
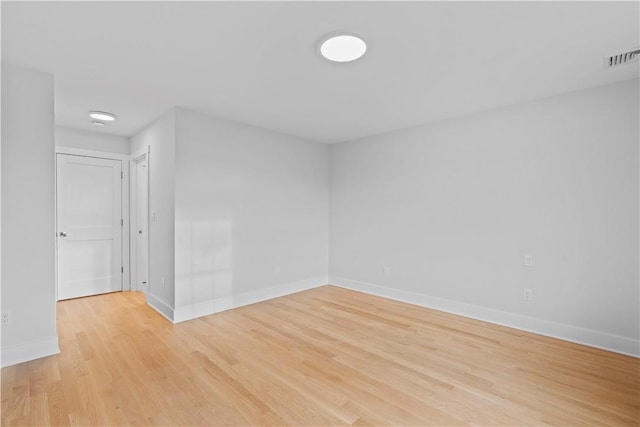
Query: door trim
x=126 y=285
x=133 y=159
x=91 y=153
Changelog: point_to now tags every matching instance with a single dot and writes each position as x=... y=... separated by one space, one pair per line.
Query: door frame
x=124 y=158
x=134 y=159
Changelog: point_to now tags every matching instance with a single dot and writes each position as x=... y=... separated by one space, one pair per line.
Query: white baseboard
x=160 y=306
x=31 y=350
x=204 y=308
x=615 y=343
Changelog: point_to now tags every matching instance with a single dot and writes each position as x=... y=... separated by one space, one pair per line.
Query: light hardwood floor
x=326 y=356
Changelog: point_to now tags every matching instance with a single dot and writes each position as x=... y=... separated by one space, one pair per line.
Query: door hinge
x=122 y=270
x=121 y=175
x=121 y=222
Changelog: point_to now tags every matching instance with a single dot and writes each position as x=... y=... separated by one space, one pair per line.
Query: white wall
x=251 y=214
x=28 y=272
x=79 y=138
x=453 y=207
x=160 y=137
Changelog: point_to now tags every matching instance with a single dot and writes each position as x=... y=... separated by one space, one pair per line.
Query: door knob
x=64 y=234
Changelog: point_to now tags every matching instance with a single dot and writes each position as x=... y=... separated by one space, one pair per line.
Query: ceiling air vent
x=613 y=61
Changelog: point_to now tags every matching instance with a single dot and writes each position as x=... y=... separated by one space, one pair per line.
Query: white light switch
x=528 y=260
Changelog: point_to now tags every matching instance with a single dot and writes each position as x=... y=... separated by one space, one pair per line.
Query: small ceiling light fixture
x=97 y=123
x=343 y=48
x=101 y=115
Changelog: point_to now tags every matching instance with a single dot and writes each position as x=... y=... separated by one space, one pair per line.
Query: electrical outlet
x=527 y=294
x=386 y=271
x=5 y=318
x=528 y=260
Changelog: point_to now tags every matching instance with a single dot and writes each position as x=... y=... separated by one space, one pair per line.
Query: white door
x=141 y=229
x=89 y=228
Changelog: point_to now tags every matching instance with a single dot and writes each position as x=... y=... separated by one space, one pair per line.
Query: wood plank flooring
x=327 y=356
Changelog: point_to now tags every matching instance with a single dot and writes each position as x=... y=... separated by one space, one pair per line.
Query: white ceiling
x=257 y=62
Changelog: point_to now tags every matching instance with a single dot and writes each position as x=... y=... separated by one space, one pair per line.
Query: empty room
x=418 y=213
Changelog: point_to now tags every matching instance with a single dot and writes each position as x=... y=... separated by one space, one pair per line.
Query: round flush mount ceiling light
x=343 y=48
x=101 y=115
